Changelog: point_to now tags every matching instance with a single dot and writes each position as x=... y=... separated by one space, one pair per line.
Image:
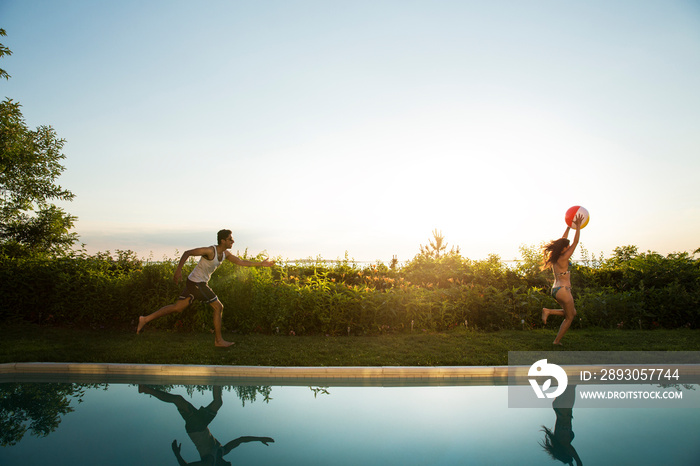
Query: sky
x=324 y=128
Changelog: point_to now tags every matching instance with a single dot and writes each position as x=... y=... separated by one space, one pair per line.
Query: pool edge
x=256 y=375
x=381 y=372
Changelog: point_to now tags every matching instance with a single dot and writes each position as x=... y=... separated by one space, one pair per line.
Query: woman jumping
x=557 y=255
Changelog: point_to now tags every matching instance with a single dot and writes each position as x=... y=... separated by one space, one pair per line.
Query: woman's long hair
x=555 y=448
x=553 y=250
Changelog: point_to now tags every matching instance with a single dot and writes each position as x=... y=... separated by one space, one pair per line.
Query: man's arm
x=176 y=450
x=246 y=263
x=234 y=443
x=205 y=251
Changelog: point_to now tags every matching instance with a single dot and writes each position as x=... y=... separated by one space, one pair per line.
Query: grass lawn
x=29 y=343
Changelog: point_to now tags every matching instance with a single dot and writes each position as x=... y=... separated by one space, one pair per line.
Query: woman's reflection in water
x=557 y=443
x=197 y=423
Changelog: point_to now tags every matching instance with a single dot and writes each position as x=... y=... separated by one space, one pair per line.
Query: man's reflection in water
x=557 y=443
x=197 y=423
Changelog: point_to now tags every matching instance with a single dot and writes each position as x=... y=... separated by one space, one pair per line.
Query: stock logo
x=542 y=369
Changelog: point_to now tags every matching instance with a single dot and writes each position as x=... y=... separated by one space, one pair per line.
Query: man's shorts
x=199 y=291
x=199 y=420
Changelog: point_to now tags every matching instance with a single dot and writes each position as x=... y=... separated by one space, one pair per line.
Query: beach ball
x=573 y=212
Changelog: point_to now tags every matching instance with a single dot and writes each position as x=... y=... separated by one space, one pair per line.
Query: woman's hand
x=578 y=221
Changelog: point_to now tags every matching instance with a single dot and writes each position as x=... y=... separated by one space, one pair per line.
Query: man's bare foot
x=545 y=314
x=142 y=322
x=558 y=344
x=223 y=343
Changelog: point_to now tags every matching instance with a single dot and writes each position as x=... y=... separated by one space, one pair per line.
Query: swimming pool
x=379 y=422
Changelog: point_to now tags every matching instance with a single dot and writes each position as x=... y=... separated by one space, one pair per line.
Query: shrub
x=434 y=293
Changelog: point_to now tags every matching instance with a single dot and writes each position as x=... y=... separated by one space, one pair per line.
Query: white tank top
x=202 y=272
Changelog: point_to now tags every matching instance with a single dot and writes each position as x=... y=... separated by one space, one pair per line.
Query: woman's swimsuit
x=555 y=290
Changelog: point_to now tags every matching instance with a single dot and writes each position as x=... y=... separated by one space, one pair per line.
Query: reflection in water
x=319 y=391
x=197 y=422
x=414 y=425
x=557 y=443
x=37 y=407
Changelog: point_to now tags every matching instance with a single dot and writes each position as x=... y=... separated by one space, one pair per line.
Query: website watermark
x=630 y=395
x=606 y=379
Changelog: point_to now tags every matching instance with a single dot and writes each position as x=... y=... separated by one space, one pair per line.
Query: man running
x=197 y=287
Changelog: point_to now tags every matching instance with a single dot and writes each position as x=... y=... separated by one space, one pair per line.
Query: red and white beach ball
x=573 y=212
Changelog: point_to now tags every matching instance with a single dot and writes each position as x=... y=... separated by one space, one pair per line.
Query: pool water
x=125 y=423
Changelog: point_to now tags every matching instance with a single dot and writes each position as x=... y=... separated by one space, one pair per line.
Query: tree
x=37 y=407
x=48 y=231
x=437 y=246
x=435 y=265
x=29 y=169
x=4 y=51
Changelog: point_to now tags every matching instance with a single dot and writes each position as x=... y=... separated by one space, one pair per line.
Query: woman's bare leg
x=569 y=311
x=548 y=312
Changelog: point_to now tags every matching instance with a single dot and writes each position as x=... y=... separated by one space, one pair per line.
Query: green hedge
x=629 y=290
